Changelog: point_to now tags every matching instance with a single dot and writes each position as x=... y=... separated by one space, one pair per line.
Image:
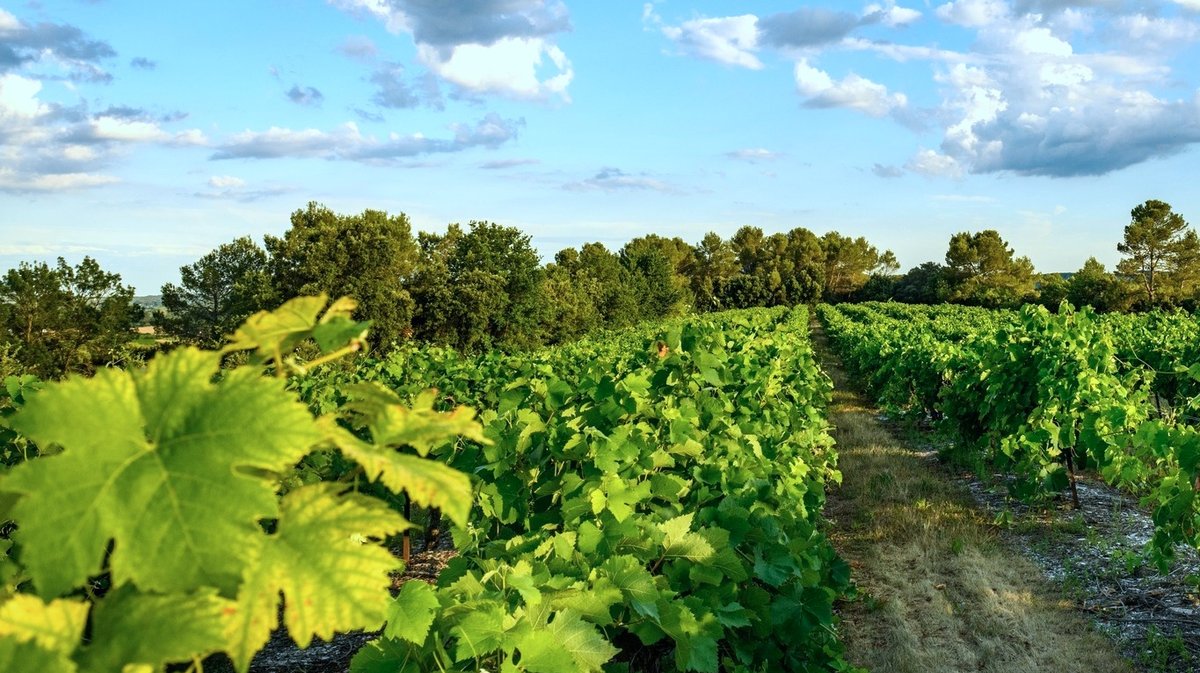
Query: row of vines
x=1042 y=396
x=648 y=499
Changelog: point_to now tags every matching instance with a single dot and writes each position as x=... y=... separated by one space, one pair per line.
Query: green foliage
x=216 y=293
x=1161 y=253
x=1041 y=395
x=849 y=263
x=366 y=256
x=156 y=515
x=65 y=319
x=984 y=272
x=658 y=487
x=478 y=289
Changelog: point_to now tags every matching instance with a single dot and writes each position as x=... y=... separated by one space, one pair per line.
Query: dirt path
x=939 y=591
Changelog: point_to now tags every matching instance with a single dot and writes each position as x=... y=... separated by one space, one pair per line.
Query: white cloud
x=8 y=22
x=1158 y=30
x=135 y=131
x=614 y=179
x=1191 y=5
x=731 y=40
x=892 y=15
x=511 y=66
x=934 y=164
x=973 y=13
x=754 y=154
x=14 y=181
x=46 y=148
x=225 y=182
x=485 y=47
x=19 y=97
x=348 y=143
x=853 y=91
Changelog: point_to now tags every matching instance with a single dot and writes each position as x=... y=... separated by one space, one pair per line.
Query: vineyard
x=648 y=498
x=645 y=499
x=1042 y=396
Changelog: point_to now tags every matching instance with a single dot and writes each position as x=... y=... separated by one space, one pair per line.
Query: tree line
x=483 y=285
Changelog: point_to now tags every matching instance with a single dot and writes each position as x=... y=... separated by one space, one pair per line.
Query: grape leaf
x=481 y=631
x=270 y=334
x=19 y=656
x=566 y=645
x=331 y=577
x=427 y=482
x=420 y=426
x=151 y=461
x=412 y=612
x=57 y=625
x=132 y=628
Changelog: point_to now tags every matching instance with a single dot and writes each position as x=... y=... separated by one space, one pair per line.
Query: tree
x=1094 y=286
x=849 y=262
x=660 y=268
x=478 y=289
x=368 y=257
x=927 y=283
x=217 y=293
x=983 y=270
x=713 y=263
x=65 y=319
x=1157 y=243
x=780 y=269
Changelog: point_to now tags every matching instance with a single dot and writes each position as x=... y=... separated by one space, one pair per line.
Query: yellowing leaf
x=57 y=625
x=330 y=579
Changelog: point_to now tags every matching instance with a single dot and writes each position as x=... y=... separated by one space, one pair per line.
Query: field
x=648 y=499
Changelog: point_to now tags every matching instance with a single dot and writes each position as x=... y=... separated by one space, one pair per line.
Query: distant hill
x=149 y=301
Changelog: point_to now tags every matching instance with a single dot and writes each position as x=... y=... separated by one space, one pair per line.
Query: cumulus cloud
x=513 y=66
x=142 y=63
x=931 y=163
x=891 y=15
x=1031 y=104
x=484 y=47
x=807 y=27
x=615 y=179
x=973 y=13
x=853 y=92
x=52 y=46
x=307 y=95
x=731 y=40
x=45 y=147
x=348 y=143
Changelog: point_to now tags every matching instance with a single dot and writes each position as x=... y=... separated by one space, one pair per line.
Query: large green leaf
x=174 y=468
x=418 y=425
x=272 y=334
x=19 y=657
x=132 y=628
x=426 y=481
x=412 y=612
x=566 y=645
x=320 y=558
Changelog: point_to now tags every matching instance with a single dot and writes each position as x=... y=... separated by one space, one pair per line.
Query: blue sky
x=146 y=135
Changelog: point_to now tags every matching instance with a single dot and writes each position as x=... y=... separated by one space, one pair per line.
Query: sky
x=146 y=134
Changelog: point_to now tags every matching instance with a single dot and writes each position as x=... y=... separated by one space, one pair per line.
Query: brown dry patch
x=938 y=592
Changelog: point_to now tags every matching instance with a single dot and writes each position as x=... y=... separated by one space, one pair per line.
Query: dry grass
x=938 y=592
